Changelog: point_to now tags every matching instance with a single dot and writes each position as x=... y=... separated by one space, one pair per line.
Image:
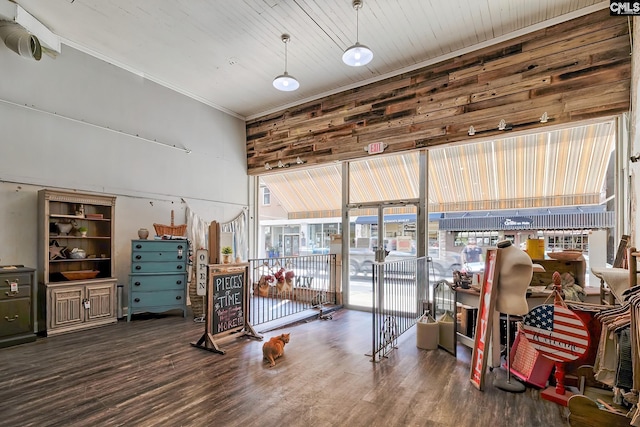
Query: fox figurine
x=274 y=348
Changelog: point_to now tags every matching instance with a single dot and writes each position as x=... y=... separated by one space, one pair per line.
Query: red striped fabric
x=556 y=332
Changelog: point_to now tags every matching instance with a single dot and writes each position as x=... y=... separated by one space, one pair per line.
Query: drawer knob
x=179 y=246
x=179 y=256
x=137 y=299
x=137 y=284
x=138 y=267
x=11 y=320
x=138 y=246
x=178 y=298
x=179 y=267
x=138 y=257
x=178 y=282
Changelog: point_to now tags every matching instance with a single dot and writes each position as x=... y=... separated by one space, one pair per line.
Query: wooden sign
x=227 y=299
x=484 y=323
x=228 y=302
x=556 y=332
x=202 y=260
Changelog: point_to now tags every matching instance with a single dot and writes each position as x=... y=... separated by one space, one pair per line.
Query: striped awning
x=565 y=167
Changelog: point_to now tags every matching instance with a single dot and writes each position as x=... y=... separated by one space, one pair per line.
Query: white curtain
x=198 y=232
x=238 y=226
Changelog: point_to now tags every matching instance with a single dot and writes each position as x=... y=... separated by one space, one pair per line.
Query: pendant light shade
x=358 y=54
x=285 y=82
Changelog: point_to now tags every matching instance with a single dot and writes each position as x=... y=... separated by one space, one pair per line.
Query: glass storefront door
x=368 y=242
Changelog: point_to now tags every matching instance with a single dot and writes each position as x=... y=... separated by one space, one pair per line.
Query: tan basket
x=172 y=230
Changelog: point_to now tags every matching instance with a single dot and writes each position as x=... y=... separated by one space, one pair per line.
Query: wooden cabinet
x=158 y=279
x=577 y=268
x=80 y=305
x=17 y=297
x=76 y=289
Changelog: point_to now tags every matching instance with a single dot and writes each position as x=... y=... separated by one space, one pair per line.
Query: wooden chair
x=633 y=267
x=620 y=261
x=583 y=408
x=584 y=412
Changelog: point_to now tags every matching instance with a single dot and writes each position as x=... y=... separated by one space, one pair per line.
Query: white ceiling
x=226 y=53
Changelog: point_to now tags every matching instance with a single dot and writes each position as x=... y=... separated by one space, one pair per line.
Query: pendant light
x=358 y=54
x=285 y=82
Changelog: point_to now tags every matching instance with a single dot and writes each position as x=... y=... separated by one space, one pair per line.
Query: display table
x=471 y=298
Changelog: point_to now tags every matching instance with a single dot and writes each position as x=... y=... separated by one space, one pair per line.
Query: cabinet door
x=101 y=298
x=66 y=306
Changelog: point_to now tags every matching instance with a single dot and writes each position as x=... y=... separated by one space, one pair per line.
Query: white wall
x=72 y=123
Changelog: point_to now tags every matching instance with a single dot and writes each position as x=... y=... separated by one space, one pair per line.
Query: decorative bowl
x=80 y=275
x=77 y=253
x=567 y=255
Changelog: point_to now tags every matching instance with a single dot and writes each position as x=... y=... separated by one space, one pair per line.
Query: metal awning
x=565 y=167
x=564 y=218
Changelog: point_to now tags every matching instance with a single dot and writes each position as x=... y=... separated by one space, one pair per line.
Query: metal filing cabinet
x=158 y=279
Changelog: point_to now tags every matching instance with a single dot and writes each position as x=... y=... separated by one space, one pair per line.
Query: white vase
x=64 y=228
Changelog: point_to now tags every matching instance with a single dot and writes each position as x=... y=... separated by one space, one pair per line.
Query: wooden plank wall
x=576 y=70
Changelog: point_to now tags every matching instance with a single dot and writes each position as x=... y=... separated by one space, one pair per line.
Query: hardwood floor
x=146 y=373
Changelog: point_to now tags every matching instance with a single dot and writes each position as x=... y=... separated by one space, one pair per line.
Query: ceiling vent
x=19 y=40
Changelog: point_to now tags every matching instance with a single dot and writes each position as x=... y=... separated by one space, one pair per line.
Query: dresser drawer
x=159 y=246
x=155 y=299
x=142 y=283
x=24 y=285
x=24 y=290
x=15 y=317
x=158 y=267
x=162 y=256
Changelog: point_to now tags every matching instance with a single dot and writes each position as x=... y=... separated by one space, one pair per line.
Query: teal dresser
x=158 y=279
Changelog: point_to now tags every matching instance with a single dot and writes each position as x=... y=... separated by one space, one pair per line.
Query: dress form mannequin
x=516 y=271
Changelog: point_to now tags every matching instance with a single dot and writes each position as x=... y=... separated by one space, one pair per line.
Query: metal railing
x=281 y=287
x=400 y=290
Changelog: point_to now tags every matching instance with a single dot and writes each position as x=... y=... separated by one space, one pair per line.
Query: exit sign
x=375 y=147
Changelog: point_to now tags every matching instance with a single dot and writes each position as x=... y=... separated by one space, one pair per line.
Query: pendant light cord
x=357 y=25
x=285 y=55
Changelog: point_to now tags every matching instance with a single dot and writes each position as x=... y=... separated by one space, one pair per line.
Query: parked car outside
x=444 y=262
x=361 y=261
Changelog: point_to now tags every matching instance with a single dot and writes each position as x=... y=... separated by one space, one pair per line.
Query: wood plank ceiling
x=558 y=168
